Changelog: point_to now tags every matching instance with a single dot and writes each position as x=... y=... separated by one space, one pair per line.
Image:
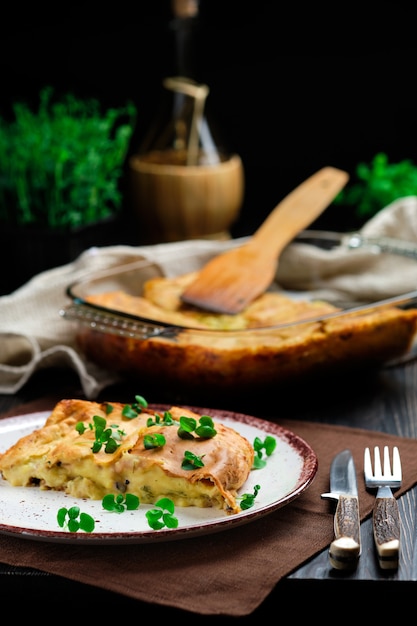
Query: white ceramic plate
x=28 y=512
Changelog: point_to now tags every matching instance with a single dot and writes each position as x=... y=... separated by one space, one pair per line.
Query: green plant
x=191 y=461
x=104 y=434
x=162 y=515
x=377 y=184
x=205 y=429
x=74 y=520
x=248 y=499
x=268 y=445
x=120 y=503
x=61 y=165
x=154 y=440
x=130 y=411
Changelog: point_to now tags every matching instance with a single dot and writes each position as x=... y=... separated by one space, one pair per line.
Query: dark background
x=291 y=90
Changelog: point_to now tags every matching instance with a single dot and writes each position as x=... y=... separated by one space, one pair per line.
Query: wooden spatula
x=231 y=280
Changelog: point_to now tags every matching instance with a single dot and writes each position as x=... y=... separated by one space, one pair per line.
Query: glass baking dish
x=370 y=325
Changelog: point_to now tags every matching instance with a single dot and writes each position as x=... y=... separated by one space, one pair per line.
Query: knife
x=345 y=549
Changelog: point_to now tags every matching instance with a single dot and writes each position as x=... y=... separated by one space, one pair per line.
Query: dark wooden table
x=385 y=400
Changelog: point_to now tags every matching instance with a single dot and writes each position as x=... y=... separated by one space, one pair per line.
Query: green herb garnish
x=103 y=434
x=165 y=420
x=120 y=503
x=153 y=440
x=204 y=429
x=130 y=411
x=109 y=408
x=191 y=461
x=268 y=445
x=80 y=427
x=106 y=435
x=248 y=499
x=74 y=520
x=163 y=515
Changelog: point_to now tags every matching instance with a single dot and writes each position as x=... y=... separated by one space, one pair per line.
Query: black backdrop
x=294 y=88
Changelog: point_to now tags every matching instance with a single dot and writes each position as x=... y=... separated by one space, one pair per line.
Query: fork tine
x=396 y=464
x=377 y=464
x=387 y=463
x=367 y=463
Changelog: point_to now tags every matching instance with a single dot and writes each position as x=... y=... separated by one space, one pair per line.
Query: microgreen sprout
x=80 y=427
x=205 y=429
x=74 y=520
x=104 y=434
x=130 y=411
x=191 y=461
x=153 y=440
x=165 y=420
x=248 y=499
x=120 y=503
x=163 y=515
x=268 y=445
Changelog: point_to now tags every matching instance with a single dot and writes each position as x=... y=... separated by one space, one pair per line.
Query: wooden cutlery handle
x=345 y=549
x=386 y=525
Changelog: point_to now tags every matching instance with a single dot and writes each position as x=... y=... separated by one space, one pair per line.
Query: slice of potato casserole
x=89 y=449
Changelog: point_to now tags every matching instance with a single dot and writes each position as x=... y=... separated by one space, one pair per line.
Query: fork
x=386 y=519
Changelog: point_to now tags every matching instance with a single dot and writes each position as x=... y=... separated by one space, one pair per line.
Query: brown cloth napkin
x=227 y=573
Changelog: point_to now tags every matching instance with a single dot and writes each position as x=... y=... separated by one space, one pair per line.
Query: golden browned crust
x=58 y=457
x=239 y=359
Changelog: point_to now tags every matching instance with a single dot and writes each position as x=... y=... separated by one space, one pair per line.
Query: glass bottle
x=185 y=184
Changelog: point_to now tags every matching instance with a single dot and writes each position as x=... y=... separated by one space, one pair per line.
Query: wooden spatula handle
x=233 y=279
x=298 y=210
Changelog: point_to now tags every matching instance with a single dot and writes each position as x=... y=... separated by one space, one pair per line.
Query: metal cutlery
x=386 y=519
x=345 y=550
x=391 y=245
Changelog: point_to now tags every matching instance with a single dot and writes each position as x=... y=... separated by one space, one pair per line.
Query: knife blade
x=345 y=549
